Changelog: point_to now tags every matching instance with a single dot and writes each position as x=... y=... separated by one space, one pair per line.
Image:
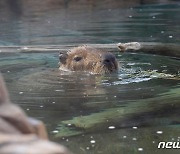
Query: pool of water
x=122 y=112
x=126 y=112
x=45 y=22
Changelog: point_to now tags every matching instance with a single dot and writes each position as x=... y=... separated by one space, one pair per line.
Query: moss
x=102 y=120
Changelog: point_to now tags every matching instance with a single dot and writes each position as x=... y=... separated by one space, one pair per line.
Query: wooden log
x=120 y=117
x=165 y=49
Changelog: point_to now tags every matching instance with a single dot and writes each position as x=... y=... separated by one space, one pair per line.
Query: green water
x=83 y=107
x=127 y=112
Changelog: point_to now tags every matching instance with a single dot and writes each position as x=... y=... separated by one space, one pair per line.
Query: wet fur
x=90 y=61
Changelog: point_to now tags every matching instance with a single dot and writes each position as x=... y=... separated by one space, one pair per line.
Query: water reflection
x=90 y=108
x=66 y=23
x=140 y=140
x=127 y=112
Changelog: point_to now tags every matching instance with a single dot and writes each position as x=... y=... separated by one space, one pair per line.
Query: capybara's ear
x=63 y=57
x=4 y=97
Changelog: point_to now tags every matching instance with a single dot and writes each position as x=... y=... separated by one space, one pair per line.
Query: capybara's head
x=85 y=58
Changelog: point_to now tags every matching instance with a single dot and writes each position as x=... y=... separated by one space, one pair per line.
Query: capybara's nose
x=108 y=59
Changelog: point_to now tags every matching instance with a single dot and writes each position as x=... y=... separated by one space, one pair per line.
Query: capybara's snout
x=108 y=59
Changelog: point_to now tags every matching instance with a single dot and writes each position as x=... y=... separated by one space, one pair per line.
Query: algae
x=102 y=120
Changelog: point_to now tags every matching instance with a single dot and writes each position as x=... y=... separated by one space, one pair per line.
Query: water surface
x=85 y=107
x=126 y=112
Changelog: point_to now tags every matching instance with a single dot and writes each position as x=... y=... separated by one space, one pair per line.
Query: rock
x=28 y=144
x=39 y=128
x=20 y=134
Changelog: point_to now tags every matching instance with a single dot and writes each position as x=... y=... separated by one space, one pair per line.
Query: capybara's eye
x=77 y=58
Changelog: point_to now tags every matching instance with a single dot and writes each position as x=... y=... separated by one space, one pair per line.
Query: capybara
x=86 y=58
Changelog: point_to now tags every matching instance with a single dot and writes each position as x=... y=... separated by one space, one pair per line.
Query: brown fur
x=88 y=59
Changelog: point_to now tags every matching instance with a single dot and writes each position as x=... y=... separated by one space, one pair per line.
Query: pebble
x=93 y=141
x=140 y=149
x=134 y=127
x=55 y=131
x=111 y=127
x=159 y=132
x=124 y=136
x=87 y=148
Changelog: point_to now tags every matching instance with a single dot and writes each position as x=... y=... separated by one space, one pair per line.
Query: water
x=44 y=22
x=127 y=112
